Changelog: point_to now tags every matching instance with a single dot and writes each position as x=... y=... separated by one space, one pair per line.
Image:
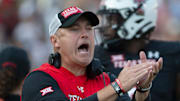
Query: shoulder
x=35 y=76
x=40 y=85
x=38 y=74
x=164 y=46
x=33 y=84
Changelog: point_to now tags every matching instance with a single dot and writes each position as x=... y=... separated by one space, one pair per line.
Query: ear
x=54 y=41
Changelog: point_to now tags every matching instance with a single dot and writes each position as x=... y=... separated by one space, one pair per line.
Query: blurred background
x=24 y=23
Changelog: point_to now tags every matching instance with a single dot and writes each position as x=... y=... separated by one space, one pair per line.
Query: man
x=72 y=73
x=125 y=28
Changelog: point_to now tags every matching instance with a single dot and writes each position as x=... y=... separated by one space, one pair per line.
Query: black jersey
x=164 y=84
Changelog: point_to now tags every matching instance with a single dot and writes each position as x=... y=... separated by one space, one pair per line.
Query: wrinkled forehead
x=81 y=21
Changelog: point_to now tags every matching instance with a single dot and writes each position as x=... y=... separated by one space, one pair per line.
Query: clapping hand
x=142 y=73
x=156 y=67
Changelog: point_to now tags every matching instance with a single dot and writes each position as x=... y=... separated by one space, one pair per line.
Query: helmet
x=135 y=17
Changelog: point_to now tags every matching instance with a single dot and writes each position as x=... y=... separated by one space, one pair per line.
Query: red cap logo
x=70 y=11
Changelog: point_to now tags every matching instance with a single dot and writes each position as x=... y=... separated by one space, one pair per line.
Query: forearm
x=107 y=94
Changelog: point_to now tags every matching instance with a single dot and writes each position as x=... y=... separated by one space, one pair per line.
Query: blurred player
x=14 y=65
x=125 y=29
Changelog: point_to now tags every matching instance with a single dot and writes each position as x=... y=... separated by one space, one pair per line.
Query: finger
x=128 y=64
x=142 y=56
x=142 y=74
x=151 y=77
x=147 y=81
x=139 y=67
x=145 y=78
x=158 y=66
x=145 y=69
x=160 y=61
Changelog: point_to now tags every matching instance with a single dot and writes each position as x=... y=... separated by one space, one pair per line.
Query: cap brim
x=89 y=15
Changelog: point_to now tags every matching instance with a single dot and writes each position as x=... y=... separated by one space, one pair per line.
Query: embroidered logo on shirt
x=81 y=89
x=46 y=90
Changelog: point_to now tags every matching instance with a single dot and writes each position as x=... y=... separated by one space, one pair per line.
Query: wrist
x=120 y=85
x=142 y=89
x=141 y=96
x=118 y=88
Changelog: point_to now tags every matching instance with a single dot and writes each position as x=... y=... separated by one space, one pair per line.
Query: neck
x=135 y=46
x=77 y=70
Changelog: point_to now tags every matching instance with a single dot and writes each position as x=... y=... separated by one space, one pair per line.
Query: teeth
x=83 y=50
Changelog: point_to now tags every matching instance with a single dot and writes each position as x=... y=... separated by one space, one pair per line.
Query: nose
x=84 y=34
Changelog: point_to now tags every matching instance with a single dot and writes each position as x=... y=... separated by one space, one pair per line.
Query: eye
x=74 y=28
x=89 y=27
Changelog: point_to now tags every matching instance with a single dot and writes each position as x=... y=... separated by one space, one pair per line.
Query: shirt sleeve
x=39 y=86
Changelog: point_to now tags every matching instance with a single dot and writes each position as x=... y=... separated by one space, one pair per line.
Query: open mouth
x=83 y=48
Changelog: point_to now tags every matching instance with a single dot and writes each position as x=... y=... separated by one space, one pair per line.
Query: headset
x=55 y=60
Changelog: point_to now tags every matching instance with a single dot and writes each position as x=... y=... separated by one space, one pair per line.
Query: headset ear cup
x=51 y=59
x=57 y=61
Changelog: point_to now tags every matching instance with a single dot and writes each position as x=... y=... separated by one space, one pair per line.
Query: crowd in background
x=24 y=23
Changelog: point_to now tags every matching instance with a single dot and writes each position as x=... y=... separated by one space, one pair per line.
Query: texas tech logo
x=116 y=60
x=119 y=60
x=74 y=97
